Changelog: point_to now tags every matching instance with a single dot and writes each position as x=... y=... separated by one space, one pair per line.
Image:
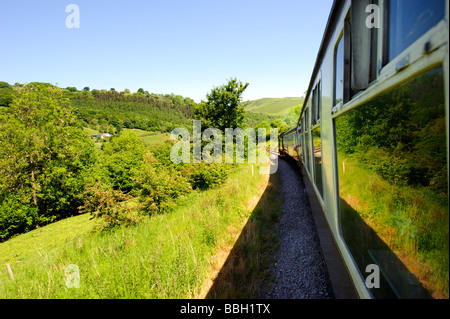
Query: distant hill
x=273 y=106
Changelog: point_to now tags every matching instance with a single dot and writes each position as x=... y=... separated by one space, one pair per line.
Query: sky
x=185 y=47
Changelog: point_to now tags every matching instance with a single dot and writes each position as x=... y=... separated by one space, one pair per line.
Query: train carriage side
x=289 y=142
x=373 y=139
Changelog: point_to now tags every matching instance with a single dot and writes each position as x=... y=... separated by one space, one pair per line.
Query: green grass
x=165 y=256
x=155 y=139
x=151 y=139
x=90 y=131
x=52 y=237
x=273 y=106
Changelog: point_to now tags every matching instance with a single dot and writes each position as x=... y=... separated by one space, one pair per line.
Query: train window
x=363 y=46
x=408 y=20
x=316 y=138
x=393 y=187
x=316 y=107
x=339 y=72
x=348 y=92
x=317 y=153
x=299 y=145
x=299 y=141
x=307 y=140
x=319 y=100
x=307 y=119
x=304 y=157
x=308 y=148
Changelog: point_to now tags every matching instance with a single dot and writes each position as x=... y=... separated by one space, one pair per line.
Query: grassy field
x=152 y=138
x=273 y=106
x=149 y=138
x=182 y=254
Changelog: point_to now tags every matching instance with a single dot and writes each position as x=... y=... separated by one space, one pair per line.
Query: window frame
x=427 y=43
x=336 y=46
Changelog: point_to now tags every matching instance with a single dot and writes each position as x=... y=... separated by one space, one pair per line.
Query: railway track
x=300 y=271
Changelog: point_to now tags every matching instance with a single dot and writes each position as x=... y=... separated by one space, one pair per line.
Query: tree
x=6 y=94
x=4 y=85
x=277 y=123
x=265 y=125
x=86 y=88
x=122 y=160
x=45 y=158
x=141 y=90
x=223 y=108
x=293 y=115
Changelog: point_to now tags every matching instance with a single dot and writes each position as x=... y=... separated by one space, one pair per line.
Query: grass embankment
x=410 y=221
x=173 y=255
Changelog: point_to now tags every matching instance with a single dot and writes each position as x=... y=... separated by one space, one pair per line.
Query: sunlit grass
x=166 y=256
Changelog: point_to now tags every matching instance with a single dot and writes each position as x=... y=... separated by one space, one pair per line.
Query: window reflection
x=308 y=147
x=393 y=208
x=409 y=20
x=339 y=72
x=299 y=146
x=318 y=160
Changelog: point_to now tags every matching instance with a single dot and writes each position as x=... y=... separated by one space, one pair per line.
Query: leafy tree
x=223 y=108
x=44 y=158
x=4 y=85
x=86 y=88
x=141 y=90
x=71 y=89
x=277 y=123
x=122 y=160
x=265 y=125
x=293 y=115
x=6 y=94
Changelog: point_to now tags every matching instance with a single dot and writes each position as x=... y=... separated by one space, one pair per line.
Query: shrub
x=121 y=159
x=208 y=176
x=160 y=186
x=115 y=207
x=15 y=217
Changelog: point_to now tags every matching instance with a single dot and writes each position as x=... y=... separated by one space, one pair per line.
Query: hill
x=273 y=106
x=111 y=111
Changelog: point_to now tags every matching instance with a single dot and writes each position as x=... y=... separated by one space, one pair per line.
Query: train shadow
x=246 y=272
x=367 y=248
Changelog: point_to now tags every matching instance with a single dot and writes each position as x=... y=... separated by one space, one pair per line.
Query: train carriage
x=372 y=139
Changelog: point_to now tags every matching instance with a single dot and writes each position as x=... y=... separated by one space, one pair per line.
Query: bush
x=208 y=176
x=15 y=217
x=113 y=206
x=160 y=185
x=121 y=159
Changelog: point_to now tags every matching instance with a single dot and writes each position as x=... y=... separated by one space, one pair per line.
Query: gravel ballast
x=300 y=270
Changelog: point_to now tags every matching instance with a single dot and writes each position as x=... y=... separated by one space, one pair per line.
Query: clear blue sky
x=184 y=47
